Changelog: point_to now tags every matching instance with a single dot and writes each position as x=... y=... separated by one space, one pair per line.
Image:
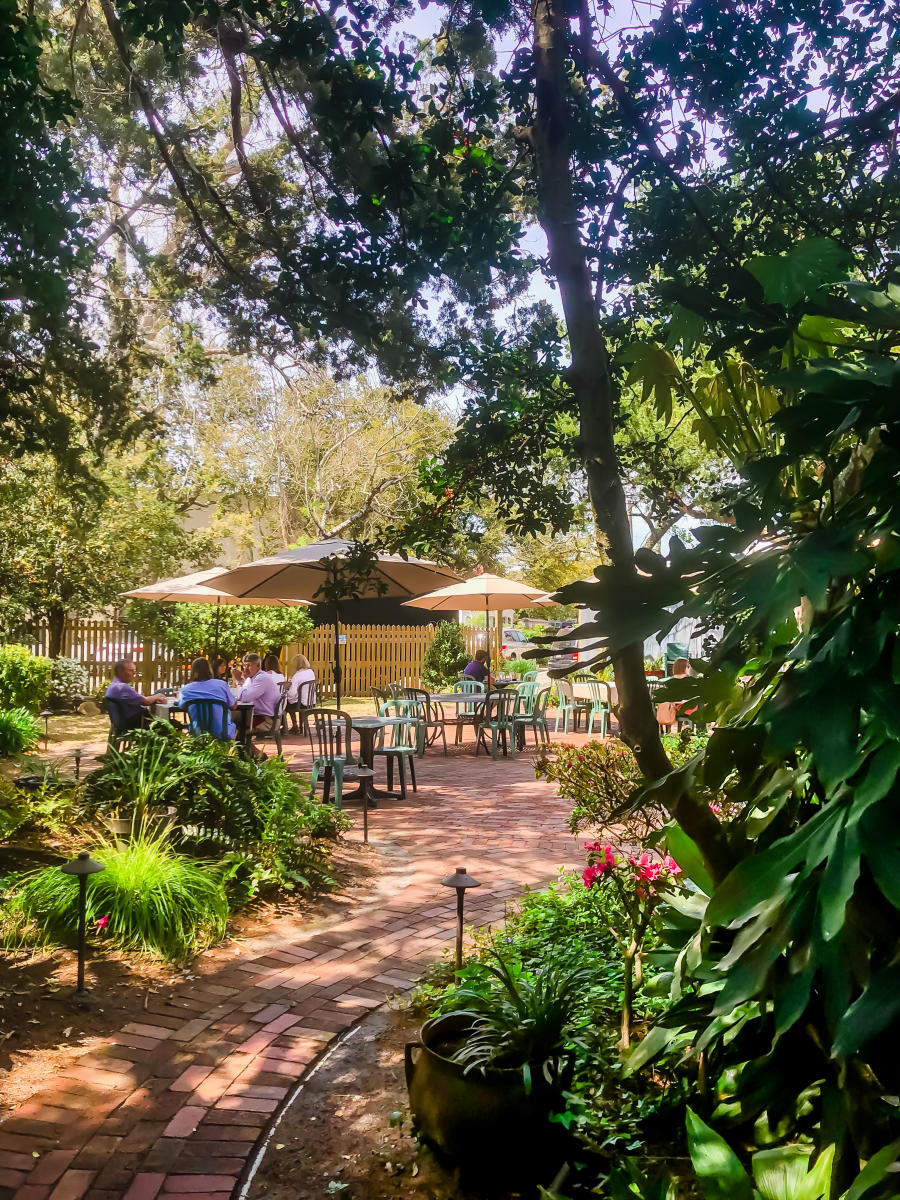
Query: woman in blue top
x=204 y=687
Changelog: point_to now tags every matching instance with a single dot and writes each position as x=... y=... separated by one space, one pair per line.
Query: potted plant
x=485 y=1076
x=653 y=668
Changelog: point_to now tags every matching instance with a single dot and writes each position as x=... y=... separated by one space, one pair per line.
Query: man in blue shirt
x=131 y=701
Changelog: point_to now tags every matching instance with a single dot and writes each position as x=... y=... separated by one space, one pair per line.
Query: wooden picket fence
x=371 y=655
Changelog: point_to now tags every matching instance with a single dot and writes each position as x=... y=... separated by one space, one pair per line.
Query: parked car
x=514 y=644
x=564 y=650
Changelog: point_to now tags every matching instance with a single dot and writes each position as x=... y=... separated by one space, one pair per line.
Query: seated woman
x=668 y=712
x=302 y=690
x=204 y=687
x=220 y=668
x=272 y=666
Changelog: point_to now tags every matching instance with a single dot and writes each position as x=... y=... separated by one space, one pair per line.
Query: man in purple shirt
x=259 y=689
x=131 y=701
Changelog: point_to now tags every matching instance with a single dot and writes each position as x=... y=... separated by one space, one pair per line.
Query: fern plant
x=19 y=731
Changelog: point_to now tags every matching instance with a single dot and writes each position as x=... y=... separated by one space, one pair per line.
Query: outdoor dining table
x=367 y=727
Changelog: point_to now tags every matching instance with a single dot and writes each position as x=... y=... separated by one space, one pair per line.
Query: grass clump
x=19 y=731
x=149 y=898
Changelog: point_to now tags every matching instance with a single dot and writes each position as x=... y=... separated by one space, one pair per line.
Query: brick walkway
x=173 y=1105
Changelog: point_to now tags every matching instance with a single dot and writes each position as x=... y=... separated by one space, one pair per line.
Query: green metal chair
x=569 y=705
x=430 y=715
x=399 y=743
x=530 y=677
x=498 y=720
x=527 y=691
x=601 y=705
x=535 y=720
x=329 y=737
x=466 y=714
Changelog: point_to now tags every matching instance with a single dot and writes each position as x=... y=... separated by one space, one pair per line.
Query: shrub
x=69 y=682
x=519 y=667
x=252 y=811
x=149 y=898
x=446 y=657
x=19 y=731
x=24 y=678
x=600 y=777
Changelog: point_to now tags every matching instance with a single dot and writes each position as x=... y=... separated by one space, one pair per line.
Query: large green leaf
x=783 y=1173
x=789 y=278
x=874 y=1011
x=719 y=1170
x=684 y=850
x=755 y=879
x=874 y=1171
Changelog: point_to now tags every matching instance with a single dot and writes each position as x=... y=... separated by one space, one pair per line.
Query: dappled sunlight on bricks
x=175 y=1102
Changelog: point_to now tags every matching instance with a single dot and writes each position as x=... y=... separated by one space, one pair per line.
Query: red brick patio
x=173 y=1105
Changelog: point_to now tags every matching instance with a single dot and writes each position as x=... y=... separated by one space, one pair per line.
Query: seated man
x=257 y=688
x=478 y=670
x=133 y=704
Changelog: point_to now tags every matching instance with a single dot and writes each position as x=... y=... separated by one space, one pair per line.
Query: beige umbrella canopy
x=486 y=592
x=305 y=570
x=197 y=588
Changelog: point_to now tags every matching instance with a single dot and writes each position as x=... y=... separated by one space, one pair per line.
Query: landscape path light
x=76 y=754
x=46 y=714
x=461 y=880
x=82 y=866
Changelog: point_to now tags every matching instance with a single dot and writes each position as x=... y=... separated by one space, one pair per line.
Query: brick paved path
x=173 y=1105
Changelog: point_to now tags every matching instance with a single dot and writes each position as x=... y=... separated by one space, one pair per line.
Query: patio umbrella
x=492 y=593
x=302 y=572
x=196 y=589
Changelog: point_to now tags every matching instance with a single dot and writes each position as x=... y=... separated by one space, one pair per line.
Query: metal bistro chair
x=208 y=716
x=306 y=699
x=466 y=714
x=403 y=744
x=498 y=719
x=569 y=704
x=329 y=737
x=262 y=733
x=601 y=704
x=536 y=720
x=431 y=717
x=121 y=728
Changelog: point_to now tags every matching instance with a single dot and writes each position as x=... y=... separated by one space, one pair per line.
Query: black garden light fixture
x=46 y=714
x=461 y=880
x=76 y=754
x=82 y=866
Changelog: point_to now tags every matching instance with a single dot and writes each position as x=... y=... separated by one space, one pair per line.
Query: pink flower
x=671 y=865
x=715 y=806
x=102 y=923
x=590 y=875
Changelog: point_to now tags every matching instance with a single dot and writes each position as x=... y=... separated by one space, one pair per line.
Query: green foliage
x=191 y=628
x=227 y=803
x=521 y=1019
x=786 y=980
x=446 y=657
x=65 y=549
x=18 y=731
x=69 y=682
x=24 y=678
x=778 y=1173
x=156 y=900
x=518 y=667
x=599 y=778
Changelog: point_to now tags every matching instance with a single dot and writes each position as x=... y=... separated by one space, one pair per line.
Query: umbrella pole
x=337 y=645
x=218 y=610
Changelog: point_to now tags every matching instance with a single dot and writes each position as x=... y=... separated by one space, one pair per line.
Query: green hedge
x=24 y=678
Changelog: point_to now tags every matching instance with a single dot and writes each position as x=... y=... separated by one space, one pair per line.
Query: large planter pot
x=485 y=1121
x=156 y=820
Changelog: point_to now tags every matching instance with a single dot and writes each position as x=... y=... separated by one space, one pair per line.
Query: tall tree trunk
x=592 y=386
x=56 y=624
